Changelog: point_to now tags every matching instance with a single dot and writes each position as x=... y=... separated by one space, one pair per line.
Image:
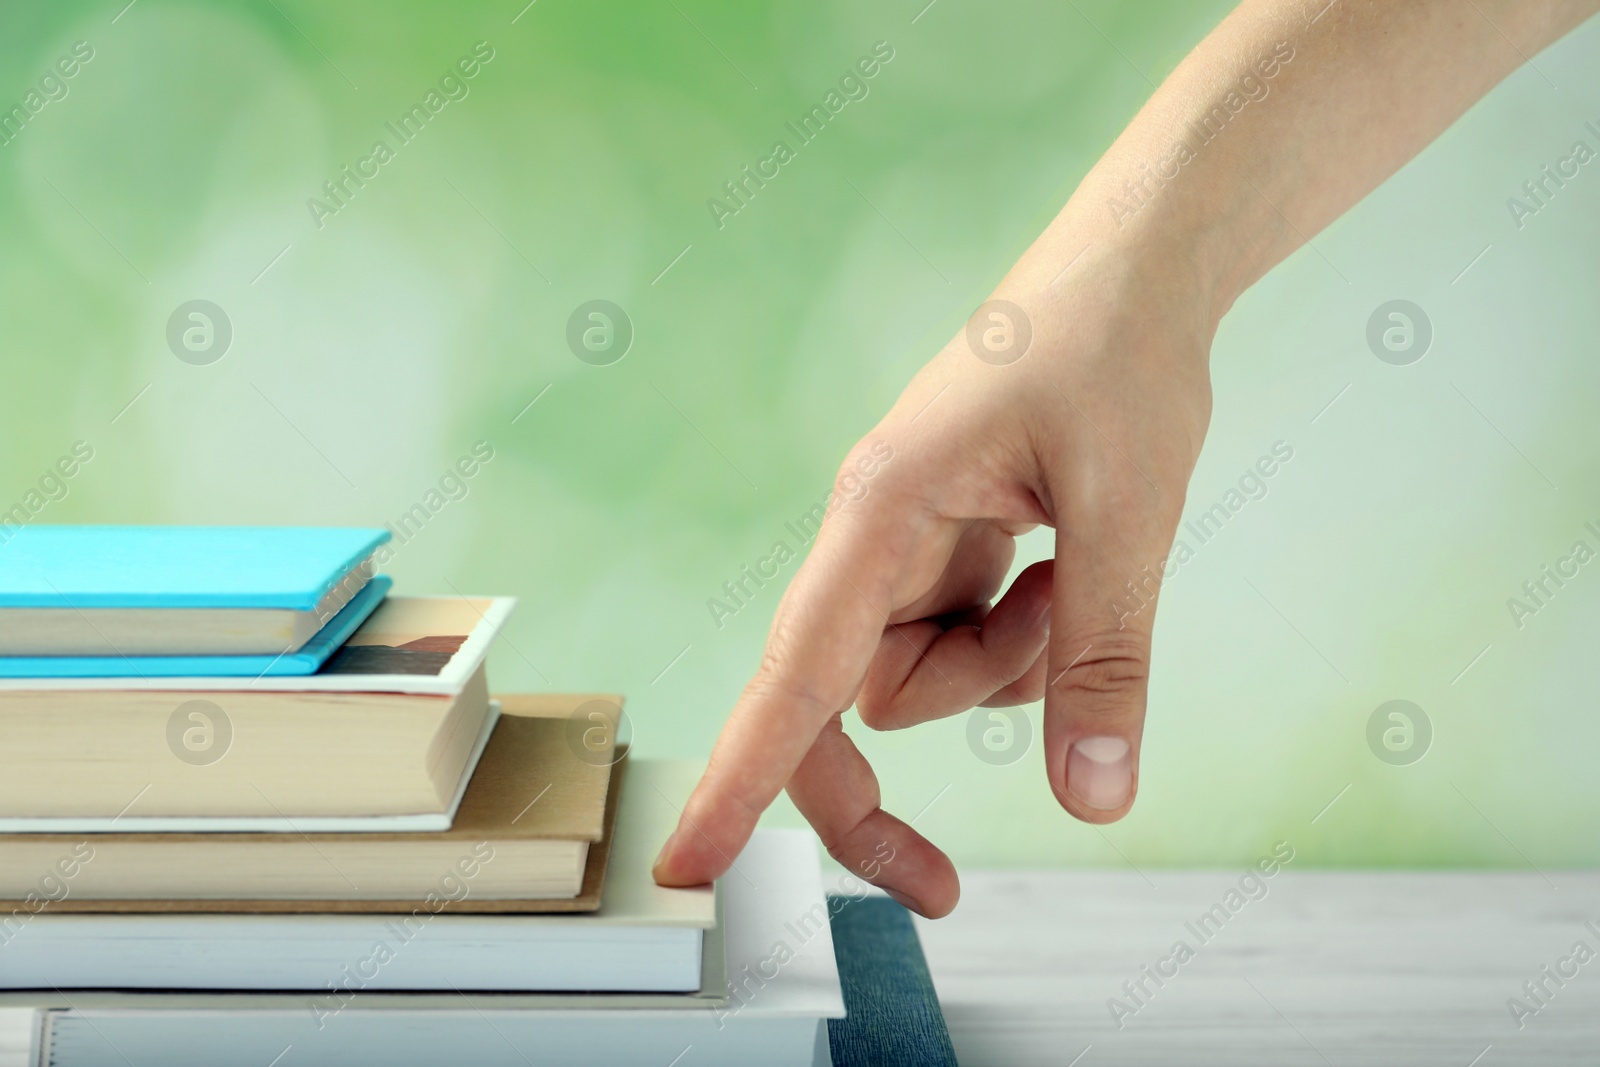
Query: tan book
x=116 y=949
x=644 y=939
x=387 y=730
x=522 y=841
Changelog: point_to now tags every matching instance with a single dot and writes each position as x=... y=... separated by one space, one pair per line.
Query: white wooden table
x=1326 y=969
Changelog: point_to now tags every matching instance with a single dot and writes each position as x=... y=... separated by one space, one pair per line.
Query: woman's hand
x=1077 y=401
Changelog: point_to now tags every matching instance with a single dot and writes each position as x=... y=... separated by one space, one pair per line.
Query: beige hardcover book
x=122 y=755
x=521 y=841
x=386 y=730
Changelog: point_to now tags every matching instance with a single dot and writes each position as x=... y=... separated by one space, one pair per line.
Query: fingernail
x=903 y=900
x=1100 y=772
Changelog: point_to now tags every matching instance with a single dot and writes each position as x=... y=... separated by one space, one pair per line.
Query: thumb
x=1102 y=615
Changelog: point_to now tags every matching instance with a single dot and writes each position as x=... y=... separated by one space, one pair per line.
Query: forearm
x=1285 y=116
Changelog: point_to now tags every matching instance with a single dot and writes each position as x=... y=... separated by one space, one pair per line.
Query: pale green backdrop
x=431 y=310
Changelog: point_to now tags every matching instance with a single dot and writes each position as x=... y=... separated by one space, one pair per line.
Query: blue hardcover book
x=893 y=1019
x=161 y=601
x=290 y=567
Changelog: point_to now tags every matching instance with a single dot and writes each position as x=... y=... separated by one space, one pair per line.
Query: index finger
x=822 y=639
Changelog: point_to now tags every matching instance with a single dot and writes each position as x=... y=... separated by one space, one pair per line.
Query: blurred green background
x=430 y=311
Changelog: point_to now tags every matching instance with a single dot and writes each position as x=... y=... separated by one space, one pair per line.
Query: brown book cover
x=550 y=774
x=636 y=823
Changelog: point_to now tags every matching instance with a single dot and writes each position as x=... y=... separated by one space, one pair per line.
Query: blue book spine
x=894 y=1017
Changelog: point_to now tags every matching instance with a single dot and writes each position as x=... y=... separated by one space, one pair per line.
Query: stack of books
x=256 y=810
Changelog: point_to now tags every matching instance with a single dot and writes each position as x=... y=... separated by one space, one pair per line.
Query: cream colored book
x=386 y=729
x=524 y=831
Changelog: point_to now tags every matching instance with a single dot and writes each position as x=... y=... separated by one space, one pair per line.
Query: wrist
x=1168 y=276
x=1194 y=246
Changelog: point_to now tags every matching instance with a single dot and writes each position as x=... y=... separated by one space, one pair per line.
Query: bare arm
x=1283 y=117
x=1331 y=99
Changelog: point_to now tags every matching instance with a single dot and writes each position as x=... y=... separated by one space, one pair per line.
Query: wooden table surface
x=1324 y=969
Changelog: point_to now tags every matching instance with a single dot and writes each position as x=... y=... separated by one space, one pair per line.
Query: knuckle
x=872 y=706
x=864 y=463
x=1115 y=665
x=877 y=699
x=1010 y=668
x=890 y=689
x=775 y=681
x=842 y=846
x=1024 y=689
x=878 y=711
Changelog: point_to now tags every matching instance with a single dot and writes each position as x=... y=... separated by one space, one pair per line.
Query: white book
x=783 y=985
